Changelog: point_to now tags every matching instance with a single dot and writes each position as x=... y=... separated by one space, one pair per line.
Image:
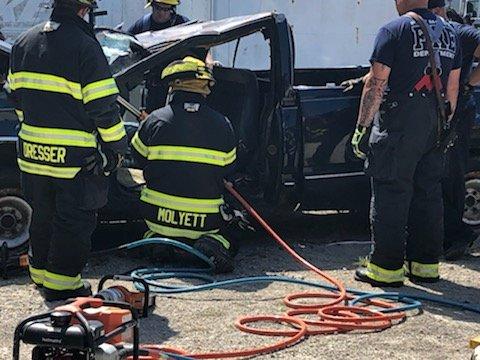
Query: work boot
x=420 y=273
x=361 y=274
x=59 y=295
x=216 y=252
x=455 y=250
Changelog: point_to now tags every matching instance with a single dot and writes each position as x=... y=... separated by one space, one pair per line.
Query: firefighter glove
x=359 y=134
x=232 y=216
x=110 y=161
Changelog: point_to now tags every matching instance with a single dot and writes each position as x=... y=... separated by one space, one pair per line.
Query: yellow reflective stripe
x=141 y=148
x=191 y=154
x=115 y=133
x=174 y=232
x=52 y=136
x=210 y=206
x=99 y=89
x=19 y=115
x=221 y=240
x=44 y=82
x=47 y=170
x=36 y=275
x=61 y=282
x=231 y=156
x=423 y=270
x=380 y=274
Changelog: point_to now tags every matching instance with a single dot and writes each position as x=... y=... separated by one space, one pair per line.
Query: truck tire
x=15 y=214
x=471 y=214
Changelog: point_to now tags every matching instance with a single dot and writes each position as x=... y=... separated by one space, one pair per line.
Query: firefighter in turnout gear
x=186 y=149
x=405 y=159
x=70 y=136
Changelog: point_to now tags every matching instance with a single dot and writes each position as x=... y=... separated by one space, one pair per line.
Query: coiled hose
x=339 y=314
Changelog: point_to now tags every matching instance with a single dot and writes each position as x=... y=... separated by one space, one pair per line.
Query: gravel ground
x=205 y=321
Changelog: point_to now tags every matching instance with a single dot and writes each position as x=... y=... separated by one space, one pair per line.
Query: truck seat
x=236 y=95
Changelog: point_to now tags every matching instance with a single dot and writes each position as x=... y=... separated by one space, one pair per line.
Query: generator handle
x=18 y=335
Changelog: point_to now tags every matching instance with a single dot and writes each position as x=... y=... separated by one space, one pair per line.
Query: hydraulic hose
x=344 y=310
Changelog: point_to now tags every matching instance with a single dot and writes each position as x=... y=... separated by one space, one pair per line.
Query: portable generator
x=85 y=329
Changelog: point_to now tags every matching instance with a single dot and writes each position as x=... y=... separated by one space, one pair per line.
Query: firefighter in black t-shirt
x=404 y=160
x=458 y=235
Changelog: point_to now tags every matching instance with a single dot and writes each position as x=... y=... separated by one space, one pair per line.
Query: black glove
x=102 y=162
x=232 y=216
x=110 y=161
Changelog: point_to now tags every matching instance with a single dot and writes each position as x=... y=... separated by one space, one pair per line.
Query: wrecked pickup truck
x=293 y=126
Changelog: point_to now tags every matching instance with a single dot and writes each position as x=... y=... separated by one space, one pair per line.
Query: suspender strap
x=434 y=66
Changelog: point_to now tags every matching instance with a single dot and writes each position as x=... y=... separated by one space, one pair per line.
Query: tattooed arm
x=375 y=84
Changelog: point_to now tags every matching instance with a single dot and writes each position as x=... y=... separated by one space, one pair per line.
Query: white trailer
x=328 y=33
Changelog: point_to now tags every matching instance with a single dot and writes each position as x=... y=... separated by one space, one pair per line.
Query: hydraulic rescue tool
x=140 y=301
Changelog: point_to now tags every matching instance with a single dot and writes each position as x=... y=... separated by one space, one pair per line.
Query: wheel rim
x=471 y=215
x=15 y=219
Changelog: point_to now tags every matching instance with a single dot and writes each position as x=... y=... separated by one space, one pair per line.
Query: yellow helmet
x=189 y=68
x=166 y=2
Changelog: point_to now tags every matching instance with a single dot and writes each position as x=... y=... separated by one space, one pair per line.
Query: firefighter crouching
x=186 y=149
x=64 y=94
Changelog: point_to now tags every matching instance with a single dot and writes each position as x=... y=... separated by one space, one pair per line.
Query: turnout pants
x=406 y=168
x=453 y=185
x=64 y=218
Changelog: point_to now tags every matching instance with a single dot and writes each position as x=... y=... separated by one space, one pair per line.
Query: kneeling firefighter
x=186 y=149
x=65 y=96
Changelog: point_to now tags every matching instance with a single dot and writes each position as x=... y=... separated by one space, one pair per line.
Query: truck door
x=283 y=140
x=333 y=176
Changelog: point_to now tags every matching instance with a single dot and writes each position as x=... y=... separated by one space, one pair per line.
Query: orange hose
x=333 y=317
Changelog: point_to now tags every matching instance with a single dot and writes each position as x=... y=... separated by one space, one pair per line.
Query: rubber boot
x=218 y=254
x=57 y=295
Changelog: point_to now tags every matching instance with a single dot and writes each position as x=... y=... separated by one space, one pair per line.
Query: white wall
x=328 y=33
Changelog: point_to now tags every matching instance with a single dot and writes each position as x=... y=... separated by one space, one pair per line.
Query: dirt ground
x=205 y=321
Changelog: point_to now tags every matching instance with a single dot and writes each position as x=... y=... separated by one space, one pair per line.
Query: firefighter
x=163 y=15
x=458 y=235
x=404 y=160
x=186 y=149
x=71 y=135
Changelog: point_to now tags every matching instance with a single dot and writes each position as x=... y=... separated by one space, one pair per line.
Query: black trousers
x=406 y=169
x=64 y=218
x=453 y=185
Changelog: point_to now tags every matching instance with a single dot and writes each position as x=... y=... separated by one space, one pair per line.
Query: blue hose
x=151 y=275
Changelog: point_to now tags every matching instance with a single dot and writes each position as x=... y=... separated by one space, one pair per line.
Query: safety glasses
x=159 y=7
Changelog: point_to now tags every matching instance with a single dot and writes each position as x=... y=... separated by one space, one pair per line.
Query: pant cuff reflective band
x=225 y=243
x=378 y=273
x=422 y=270
x=62 y=282
x=37 y=275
